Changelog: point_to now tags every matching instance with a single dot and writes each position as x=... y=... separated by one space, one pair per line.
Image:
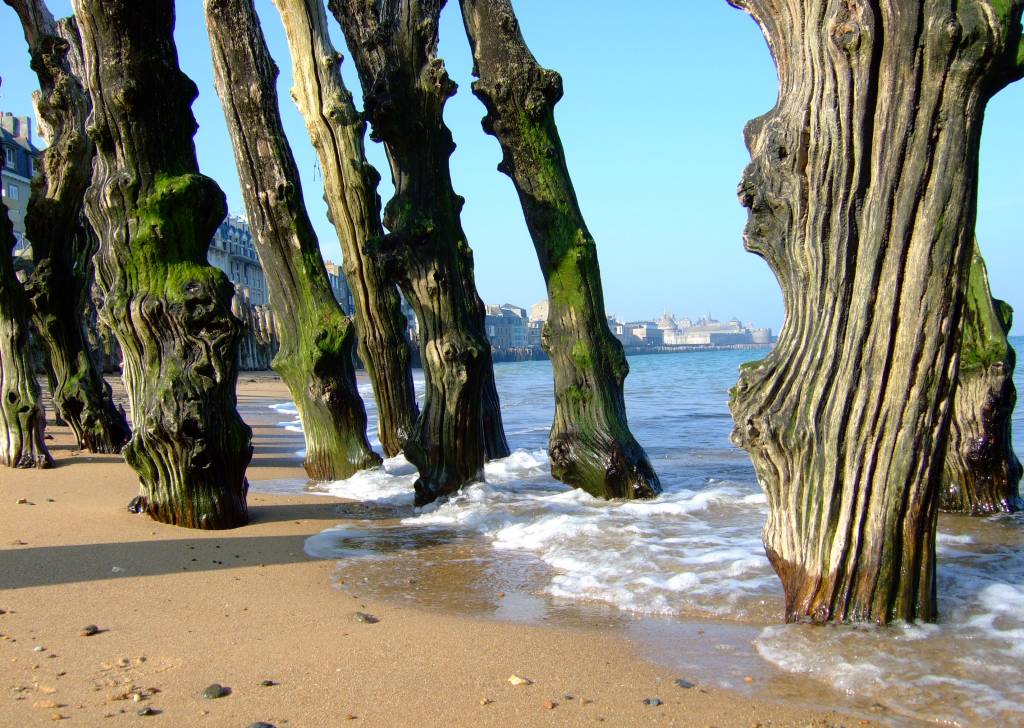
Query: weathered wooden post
x=982 y=472
x=21 y=414
x=169 y=309
x=317 y=339
x=350 y=185
x=62 y=242
x=862 y=195
x=591 y=446
x=405 y=87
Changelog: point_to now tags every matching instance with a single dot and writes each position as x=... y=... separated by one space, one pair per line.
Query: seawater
x=523 y=546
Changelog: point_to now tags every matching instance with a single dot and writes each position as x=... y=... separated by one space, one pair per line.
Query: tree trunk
x=982 y=473
x=317 y=339
x=862 y=194
x=62 y=244
x=405 y=87
x=21 y=413
x=350 y=184
x=590 y=445
x=169 y=309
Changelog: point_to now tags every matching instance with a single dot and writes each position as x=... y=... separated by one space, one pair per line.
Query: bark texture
x=22 y=419
x=405 y=87
x=862 y=194
x=590 y=445
x=350 y=185
x=169 y=309
x=317 y=339
x=982 y=472
x=62 y=242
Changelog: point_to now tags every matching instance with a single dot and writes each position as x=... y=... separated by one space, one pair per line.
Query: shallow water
x=522 y=546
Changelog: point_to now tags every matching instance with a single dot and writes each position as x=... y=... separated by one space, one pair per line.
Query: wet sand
x=179 y=610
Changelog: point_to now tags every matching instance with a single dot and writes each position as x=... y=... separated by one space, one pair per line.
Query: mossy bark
x=862 y=197
x=350 y=185
x=169 y=309
x=62 y=242
x=316 y=338
x=982 y=473
x=590 y=445
x=405 y=87
x=22 y=419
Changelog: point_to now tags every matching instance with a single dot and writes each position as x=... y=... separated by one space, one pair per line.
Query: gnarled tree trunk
x=21 y=414
x=62 y=244
x=862 y=194
x=317 y=339
x=169 y=309
x=590 y=445
x=350 y=185
x=405 y=87
x=982 y=473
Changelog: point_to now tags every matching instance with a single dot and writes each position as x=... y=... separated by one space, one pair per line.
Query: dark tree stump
x=317 y=339
x=591 y=446
x=62 y=242
x=169 y=309
x=862 y=196
x=982 y=472
x=22 y=419
x=405 y=87
x=350 y=183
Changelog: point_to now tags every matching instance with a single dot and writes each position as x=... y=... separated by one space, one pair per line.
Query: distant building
x=234 y=252
x=506 y=326
x=646 y=332
x=534 y=330
x=539 y=311
x=19 y=158
x=339 y=286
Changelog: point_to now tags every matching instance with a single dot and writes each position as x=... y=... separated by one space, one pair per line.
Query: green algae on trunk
x=350 y=189
x=317 y=339
x=591 y=446
x=982 y=473
x=169 y=309
x=63 y=244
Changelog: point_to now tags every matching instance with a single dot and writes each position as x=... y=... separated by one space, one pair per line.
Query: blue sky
x=655 y=103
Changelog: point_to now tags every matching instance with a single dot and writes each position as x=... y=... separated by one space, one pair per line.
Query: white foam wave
x=387 y=485
x=964 y=670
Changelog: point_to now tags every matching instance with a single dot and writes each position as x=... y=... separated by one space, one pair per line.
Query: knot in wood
x=508 y=24
x=846 y=34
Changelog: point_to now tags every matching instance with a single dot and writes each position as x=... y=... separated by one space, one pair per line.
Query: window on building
x=31 y=167
x=9 y=157
x=12 y=192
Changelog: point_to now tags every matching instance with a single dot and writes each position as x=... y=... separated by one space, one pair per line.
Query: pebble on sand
x=364 y=617
x=267 y=683
x=88 y=630
x=653 y=702
x=261 y=724
x=214 y=691
x=550 y=705
x=148 y=711
x=685 y=684
x=516 y=680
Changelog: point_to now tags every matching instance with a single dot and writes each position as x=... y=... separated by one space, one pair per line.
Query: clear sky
x=655 y=103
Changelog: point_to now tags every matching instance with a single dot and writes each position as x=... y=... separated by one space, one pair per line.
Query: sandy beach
x=179 y=610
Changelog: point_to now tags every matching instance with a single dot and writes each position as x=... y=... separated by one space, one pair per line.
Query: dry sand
x=182 y=609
